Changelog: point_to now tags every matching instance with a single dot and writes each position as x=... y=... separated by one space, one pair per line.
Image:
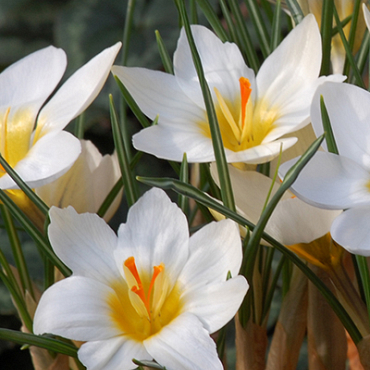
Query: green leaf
x=326 y=34
x=329 y=135
x=166 y=60
x=131 y=190
x=295 y=11
x=51 y=344
x=151 y=364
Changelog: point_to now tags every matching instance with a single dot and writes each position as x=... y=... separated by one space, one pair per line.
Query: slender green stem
x=166 y=60
x=79 y=126
x=184 y=177
x=259 y=25
x=276 y=27
x=365 y=278
x=51 y=344
x=20 y=261
x=326 y=33
x=132 y=193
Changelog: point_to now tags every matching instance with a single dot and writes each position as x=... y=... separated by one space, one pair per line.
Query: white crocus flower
x=32 y=140
x=253 y=111
x=341 y=181
x=151 y=292
x=86 y=184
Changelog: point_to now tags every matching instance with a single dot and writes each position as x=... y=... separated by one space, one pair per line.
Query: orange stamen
x=245 y=92
x=139 y=288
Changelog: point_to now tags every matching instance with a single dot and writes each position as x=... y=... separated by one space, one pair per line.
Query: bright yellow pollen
x=243 y=123
x=141 y=303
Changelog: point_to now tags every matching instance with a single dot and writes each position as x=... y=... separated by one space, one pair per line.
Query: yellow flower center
x=143 y=304
x=243 y=124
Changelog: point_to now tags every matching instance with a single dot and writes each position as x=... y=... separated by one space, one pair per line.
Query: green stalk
x=110 y=198
x=352 y=33
x=213 y=19
x=276 y=27
x=19 y=259
x=349 y=56
x=326 y=33
x=329 y=135
x=19 y=301
x=363 y=54
x=79 y=126
x=132 y=104
x=184 y=177
x=166 y=60
x=51 y=344
x=131 y=190
x=223 y=172
x=125 y=47
x=259 y=25
x=245 y=38
x=5 y=266
x=230 y=24
x=295 y=11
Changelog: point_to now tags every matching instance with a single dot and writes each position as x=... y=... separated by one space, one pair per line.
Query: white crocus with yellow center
x=150 y=293
x=32 y=140
x=253 y=111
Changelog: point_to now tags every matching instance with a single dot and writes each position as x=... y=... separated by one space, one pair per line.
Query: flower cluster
x=160 y=291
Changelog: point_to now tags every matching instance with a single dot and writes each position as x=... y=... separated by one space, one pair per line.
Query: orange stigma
x=139 y=287
x=245 y=92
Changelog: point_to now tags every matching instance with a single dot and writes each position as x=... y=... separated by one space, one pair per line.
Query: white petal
x=78 y=92
x=261 y=153
x=75 y=308
x=184 y=344
x=294 y=221
x=112 y=354
x=331 y=181
x=85 y=243
x=349 y=117
x=366 y=15
x=223 y=65
x=157 y=93
x=32 y=79
x=351 y=230
x=172 y=143
x=156 y=231
x=48 y=159
x=216 y=304
x=214 y=251
x=293 y=65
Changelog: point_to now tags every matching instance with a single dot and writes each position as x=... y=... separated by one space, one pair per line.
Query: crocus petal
x=294 y=221
x=112 y=354
x=22 y=87
x=351 y=230
x=331 y=181
x=203 y=268
x=75 y=308
x=173 y=143
x=84 y=243
x=184 y=344
x=223 y=65
x=165 y=238
x=77 y=92
x=45 y=161
x=345 y=104
x=216 y=304
x=297 y=60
